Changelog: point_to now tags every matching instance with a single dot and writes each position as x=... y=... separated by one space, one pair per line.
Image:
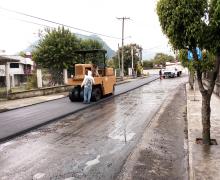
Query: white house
x=18 y=69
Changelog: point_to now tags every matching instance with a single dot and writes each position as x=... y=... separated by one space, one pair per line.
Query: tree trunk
x=206 y=98
x=206 y=111
x=191 y=80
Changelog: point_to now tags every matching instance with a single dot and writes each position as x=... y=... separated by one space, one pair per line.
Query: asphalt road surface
x=91 y=144
x=162 y=152
x=19 y=121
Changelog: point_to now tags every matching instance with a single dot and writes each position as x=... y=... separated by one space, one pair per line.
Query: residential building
x=18 y=69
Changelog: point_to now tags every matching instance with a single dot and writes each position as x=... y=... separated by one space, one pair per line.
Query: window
x=14 y=65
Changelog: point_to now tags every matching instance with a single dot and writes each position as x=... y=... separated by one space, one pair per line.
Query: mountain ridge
x=110 y=52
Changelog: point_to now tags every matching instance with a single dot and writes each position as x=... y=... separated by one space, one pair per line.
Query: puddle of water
x=93 y=162
x=116 y=149
x=38 y=176
x=121 y=137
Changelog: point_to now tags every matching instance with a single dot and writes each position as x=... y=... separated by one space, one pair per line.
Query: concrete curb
x=5 y=109
x=190 y=141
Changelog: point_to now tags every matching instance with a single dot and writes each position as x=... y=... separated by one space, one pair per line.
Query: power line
x=61 y=24
x=30 y=22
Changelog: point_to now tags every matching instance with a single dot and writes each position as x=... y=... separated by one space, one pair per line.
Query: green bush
x=31 y=81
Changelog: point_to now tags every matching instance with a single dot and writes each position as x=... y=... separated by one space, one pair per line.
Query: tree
x=55 y=51
x=22 y=53
x=148 y=64
x=190 y=24
x=183 y=53
x=89 y=44
x=161 y=59
x=128 y=57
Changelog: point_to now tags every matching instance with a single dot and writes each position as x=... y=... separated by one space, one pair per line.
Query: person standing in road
x=88 y=81
x=160 y=73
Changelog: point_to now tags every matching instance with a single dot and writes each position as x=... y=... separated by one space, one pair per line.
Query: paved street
x=90 y=144
x=162 y=152
x=18 y=121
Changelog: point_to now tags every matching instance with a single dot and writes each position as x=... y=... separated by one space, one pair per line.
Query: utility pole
x=132 y=60
x=122 y=46
x=119 y=66
x=132 y=56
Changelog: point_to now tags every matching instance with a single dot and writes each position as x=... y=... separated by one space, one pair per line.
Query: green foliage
x=189 y=24
x=31 y=81
x=183 y=21
x=127 y=56
x=89 y=44
x=22 y=53
x=206 y=64
x=56 y=49
x=111 y=63
x=148 y=64
x=115 y=59
x=183 y=58
x=212 y=33
x=161 y=59
x=139 y=69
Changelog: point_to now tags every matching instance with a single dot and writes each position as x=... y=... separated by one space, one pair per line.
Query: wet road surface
x=162 y=152
x=90 y=144
x=19 y=121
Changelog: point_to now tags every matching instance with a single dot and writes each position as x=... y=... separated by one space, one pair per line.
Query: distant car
x=171 y=72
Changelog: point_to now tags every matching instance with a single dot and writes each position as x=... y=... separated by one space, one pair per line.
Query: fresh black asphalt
x=18 y=121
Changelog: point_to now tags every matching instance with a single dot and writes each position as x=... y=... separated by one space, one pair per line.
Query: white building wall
x=2 y=70
x=19 y=70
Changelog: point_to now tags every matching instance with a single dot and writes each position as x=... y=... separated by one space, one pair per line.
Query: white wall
x=13 y=71
x=19 y=70
x=2 y=70
x=151 y=71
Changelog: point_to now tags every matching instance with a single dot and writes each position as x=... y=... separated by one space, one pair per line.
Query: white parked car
x=171 y=72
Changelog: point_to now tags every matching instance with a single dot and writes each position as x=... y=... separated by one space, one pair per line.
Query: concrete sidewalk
x=17 y=103
x=204 y=161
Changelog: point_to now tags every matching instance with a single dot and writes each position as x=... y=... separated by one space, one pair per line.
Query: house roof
x=4 y=59
x=15 y=58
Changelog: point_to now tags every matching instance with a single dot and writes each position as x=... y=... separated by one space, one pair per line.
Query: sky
x=97 y=16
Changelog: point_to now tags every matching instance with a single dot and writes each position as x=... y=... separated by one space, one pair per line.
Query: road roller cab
x=104 y=77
